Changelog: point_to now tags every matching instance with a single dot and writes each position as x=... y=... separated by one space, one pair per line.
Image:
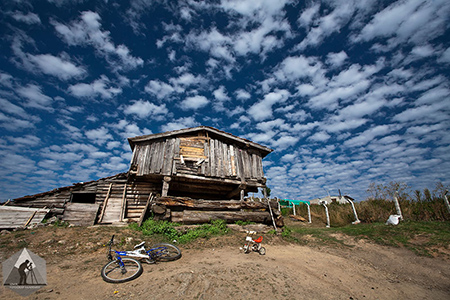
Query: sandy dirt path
x=364 y=271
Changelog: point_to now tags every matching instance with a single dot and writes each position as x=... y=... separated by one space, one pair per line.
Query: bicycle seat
x=139 y=245
x=259 y=240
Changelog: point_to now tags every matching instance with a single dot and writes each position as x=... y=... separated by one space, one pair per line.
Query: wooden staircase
x=112 y=208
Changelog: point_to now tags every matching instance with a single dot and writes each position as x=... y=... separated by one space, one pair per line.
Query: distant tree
x=418 y=195
x=268 y=190
x=387 y=192
x=427 y=194
x=439 y=190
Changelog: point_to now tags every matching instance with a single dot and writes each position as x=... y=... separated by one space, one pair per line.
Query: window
x=83 y=197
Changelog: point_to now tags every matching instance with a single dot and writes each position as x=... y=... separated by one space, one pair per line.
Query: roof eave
x=132 y=141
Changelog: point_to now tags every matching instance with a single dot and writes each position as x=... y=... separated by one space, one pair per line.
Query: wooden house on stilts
x=190 y=176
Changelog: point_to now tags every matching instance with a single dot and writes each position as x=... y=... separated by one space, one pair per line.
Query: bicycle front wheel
x=165 y=252
x=113 y=272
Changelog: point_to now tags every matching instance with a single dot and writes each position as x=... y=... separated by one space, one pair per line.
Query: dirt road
x=218 y=269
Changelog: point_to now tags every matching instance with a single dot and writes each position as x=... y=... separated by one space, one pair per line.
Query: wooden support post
x=31 y=218
x=105 y=203
x=124 y=203
x=165 y=188
x=149 y=200
x=270 y=208
x=236 y=191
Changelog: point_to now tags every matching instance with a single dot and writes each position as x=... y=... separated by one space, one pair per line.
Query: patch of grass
x=169 y=230
x=60 y=223
x=242 y=223
x=419 y=237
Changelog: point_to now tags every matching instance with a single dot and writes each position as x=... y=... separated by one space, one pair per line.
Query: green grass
x=169 y=230
x=421 y=237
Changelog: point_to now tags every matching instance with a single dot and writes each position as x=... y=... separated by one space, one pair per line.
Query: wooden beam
x=31 y=218
x=149 y=199
x=196 y=217
x=236 y=191
x=124 y=203
x=105 y=203
x=165 y=188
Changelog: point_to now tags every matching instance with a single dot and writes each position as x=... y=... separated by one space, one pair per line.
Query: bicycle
x=123 y=267
x=253 y=245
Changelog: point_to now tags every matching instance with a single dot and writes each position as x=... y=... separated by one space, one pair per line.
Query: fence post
x=309 y=213
x=397 y=205
x=324 y=203
x=357 y=221
x=446 y=201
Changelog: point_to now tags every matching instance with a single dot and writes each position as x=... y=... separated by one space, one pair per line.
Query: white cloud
x=180 y=123
x=99 y=136
x=143 y=109
x=308 y=15
x=328 y=24
x=194 y=102
x=336 y=59
x=284 y=142
x=35 y=97
x=445 y=57
x=11 y=108
x=100 y=87
x=416 y=21
x=56 y=66
x=329 y=99
x=27 y=140
x=127 y=129
x=88 y=31
x=159 y=89
x=365 y=137
x=187 y=80
x=423 y=51
x=321 y=136
x=242 y=95
x=30 y=18
x=297 y=67
x=221 y=97
x=262 y=110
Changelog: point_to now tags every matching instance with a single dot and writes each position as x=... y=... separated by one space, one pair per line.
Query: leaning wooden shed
x=201 y=162
x=205 y=172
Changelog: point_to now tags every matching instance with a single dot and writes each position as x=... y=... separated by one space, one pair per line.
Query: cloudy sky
x=346 y=92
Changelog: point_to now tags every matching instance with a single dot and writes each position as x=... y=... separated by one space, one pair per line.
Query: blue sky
x=346 y=92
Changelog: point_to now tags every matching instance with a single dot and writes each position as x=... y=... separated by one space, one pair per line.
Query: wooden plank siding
x=15 y=217
x=197 y=155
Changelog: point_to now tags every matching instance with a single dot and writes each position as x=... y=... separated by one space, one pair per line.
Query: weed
x=419 y=237
x=60 y=223
x=169 y=230
x=242 y=223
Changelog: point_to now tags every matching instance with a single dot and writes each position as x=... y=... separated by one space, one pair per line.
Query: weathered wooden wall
x=197 y=155
x=16 y=217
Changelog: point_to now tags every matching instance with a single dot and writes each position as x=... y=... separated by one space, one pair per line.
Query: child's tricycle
x=253 y=245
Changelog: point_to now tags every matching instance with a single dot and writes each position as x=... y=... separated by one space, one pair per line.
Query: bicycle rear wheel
x=113 y=272
x=165 y=252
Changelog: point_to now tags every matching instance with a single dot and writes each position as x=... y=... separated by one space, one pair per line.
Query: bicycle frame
x=140 y=252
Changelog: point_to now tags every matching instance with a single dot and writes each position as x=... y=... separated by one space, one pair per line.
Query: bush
x=169 y=230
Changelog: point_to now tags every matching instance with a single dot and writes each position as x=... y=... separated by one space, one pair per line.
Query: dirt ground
x=218 y=269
